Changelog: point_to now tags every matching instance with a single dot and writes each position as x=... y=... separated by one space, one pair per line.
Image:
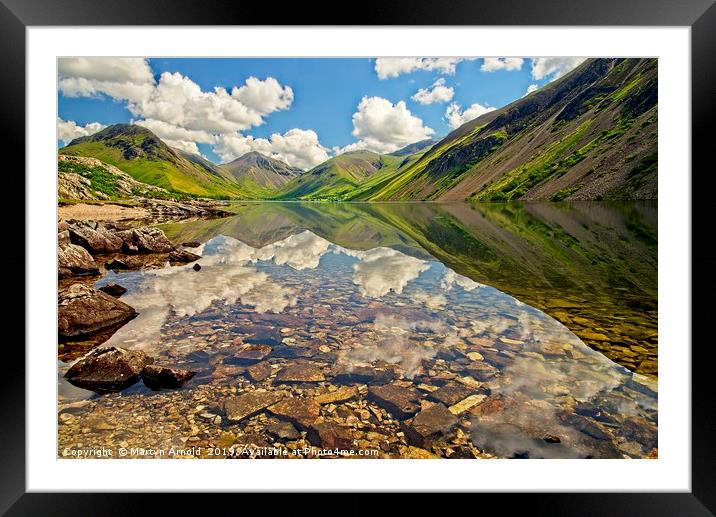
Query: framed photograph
x=349 y=254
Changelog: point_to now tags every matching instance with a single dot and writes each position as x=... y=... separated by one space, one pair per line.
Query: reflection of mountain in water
x=593 y=266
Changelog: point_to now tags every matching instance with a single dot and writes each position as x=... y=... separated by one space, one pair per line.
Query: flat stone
x=108 y=369
x=475 y=356
x=401 y=402
x=430 y=425
x=342 y=394
x=292 y=352
x=511 y=342
x=249 y=354
x=191 y=244
x=466 y=404
x=113 y=289
x=329 y=435
x=481 y=371
x=301 y=412
x=259 y=371
x=248 y=404
x=83 y=310
x=451 y=393
x=283 y=430
x=163 y=377
x=73 y=260
x=364 y=375
x=300 y=372
x=591 y=336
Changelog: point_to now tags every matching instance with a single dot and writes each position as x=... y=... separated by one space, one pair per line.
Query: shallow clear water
x=527 y=379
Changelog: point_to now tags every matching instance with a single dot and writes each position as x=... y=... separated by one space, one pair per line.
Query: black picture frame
x=699 y=15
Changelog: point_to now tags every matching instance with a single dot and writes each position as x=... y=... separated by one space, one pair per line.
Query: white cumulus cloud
x=554 y=67
x=531 y=88
x=128 y=79
x=387 y=67
x=68 y=130
x=438 y=92
x=383 y=127
x=491 y=64
x=456 y=117
x=297 y=147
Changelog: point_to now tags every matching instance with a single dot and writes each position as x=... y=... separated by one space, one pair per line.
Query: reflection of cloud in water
x=431 y=301
x=382 y=270
x=300 y=251
x=226 y=276
x=450 y=279
x=392 y=344
x=493 y=323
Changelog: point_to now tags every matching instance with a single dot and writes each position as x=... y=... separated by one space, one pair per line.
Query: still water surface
x=507 y=315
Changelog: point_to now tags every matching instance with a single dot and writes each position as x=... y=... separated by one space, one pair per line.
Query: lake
x=410 y=330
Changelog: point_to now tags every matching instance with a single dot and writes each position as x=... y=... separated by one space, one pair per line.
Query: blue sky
x=301 y=110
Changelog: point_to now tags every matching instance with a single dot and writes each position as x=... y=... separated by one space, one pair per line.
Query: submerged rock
x=466 y=404
x=83 y=310
x=259 y=371
x=283 y=430
x=248 y=404
x=451 y=393
x=300 y=372
x=191 y=244
x=431 y=424
x=73 y=260
x=249 y=354
x=113 y=289
x=158 y=377
x=401 y=402
x=108 y=369
x=329 y=436
x=342 y=394
x=299 y=411
x=363 y=375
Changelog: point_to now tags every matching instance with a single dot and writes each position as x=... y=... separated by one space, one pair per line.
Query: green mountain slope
x=338 y=177
x=260 y=174
x=592 y=134
x=347 y=177
x=141 y=154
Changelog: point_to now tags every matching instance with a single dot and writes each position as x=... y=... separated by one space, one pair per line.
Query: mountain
x=145 y=157
x=348 y=176
x=255 y=172
x=592 y=134
x=415 y=147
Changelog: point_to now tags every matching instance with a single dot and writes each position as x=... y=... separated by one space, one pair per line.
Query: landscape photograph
x=369 y=258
